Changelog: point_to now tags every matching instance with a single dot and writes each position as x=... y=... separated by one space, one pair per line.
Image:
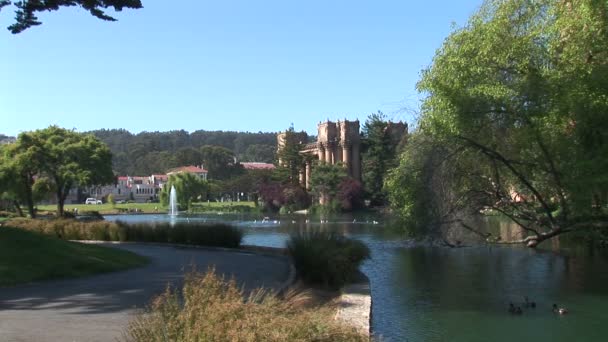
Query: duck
x=529 y=304
x=514 y=310
x=561 y=311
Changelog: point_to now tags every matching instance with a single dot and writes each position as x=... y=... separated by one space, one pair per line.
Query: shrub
x=211 y=309
x=326 y=258
x=8 y=214
x=111 y=200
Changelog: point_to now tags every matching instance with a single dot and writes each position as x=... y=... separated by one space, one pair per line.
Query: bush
x=326 y=258
x=218 y=235
x=211 y=309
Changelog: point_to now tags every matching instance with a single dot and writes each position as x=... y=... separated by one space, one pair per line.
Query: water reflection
x=441 y=294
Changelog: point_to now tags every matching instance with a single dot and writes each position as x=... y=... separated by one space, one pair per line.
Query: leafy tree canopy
x=54 y=159
x=515 y=117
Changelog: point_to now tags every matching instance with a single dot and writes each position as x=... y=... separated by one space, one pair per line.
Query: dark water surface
x=440 y=294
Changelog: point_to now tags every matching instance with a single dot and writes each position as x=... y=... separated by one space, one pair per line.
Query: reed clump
x=198 y=234
x=209 y=308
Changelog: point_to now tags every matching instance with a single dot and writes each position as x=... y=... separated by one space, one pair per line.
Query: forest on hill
x=155 y=152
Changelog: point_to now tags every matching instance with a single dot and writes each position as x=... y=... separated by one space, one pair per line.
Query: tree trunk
x=29 y=198
x=60 y=202
x=18 y=208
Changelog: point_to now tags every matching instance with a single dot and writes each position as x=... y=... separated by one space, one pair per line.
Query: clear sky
x=221 y=65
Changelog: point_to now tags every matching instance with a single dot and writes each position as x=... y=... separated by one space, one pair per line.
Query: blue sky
x=221 y=65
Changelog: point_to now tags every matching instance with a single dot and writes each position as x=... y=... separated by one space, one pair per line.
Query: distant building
x=337 y=142
x=257 y=166
x=198 y=171
x=7 y=140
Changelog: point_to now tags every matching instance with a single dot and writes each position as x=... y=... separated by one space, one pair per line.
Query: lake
x=423 y=293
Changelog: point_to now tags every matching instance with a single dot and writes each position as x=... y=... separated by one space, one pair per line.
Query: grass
x=28 y=256
x=326 y=258
x=107 y=208
x=208 y=308
x=216 y=234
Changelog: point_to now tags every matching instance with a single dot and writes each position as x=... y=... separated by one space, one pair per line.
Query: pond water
x=439 y=294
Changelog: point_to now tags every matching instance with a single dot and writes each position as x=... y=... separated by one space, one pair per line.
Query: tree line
x=148 y=153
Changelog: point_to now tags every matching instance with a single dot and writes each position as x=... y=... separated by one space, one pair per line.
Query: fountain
x=173 y=202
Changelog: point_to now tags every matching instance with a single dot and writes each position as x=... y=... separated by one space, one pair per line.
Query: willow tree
x=516 y=103
x=188 y=188
x=25 y=10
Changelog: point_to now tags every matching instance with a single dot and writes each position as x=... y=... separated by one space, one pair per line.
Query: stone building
x=337 y=142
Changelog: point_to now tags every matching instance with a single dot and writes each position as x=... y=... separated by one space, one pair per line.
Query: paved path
x=97 y=308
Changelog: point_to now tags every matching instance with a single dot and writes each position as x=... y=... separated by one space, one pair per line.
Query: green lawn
x=143 y=207
x=27 y=256
x=107 y=208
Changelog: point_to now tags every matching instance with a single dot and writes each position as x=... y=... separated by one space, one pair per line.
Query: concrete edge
x=355 y=305
x=258 y=250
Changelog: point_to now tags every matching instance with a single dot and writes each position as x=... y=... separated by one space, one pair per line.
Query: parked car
x=92 y=200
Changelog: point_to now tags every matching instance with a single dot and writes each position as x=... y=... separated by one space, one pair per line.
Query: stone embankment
x=355 y=305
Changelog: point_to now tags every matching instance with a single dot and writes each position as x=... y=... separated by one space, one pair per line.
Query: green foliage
x=25 y=12
x=259 y=153
x=337 y=191
x=19 y=163
x=220 y=162
x=209 y=308
x=326 y=258
x=111 y=199
x=378 y=156
x=411 y=186
x=516 y=102
x=29 y=256
x=188 y=187
x=53 y=159
x=290 y=159
x=70 y=159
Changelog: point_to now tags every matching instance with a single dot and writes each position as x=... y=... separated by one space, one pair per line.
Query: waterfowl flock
x=527 y=304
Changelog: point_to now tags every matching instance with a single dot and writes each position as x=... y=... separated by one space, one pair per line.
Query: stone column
x=302 y=177
x=329 y=154
x=321 y=153
x=308 y=173
x=356 y=162
x=346 y=159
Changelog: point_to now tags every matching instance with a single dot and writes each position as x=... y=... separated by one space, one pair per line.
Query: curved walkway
x=98 y=308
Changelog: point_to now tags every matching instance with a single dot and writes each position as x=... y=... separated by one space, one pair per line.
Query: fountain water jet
x=173 y=202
